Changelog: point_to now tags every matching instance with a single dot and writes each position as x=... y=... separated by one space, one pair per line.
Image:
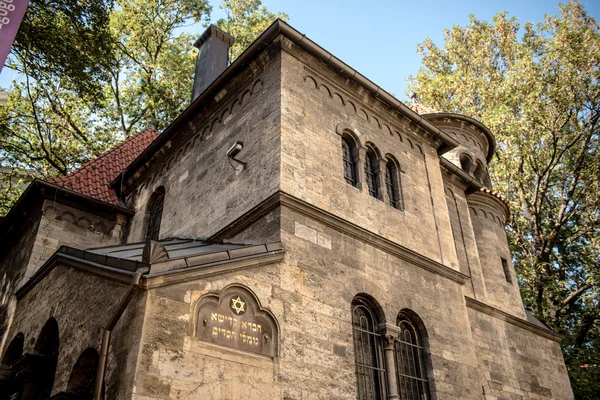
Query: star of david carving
x=238 y=305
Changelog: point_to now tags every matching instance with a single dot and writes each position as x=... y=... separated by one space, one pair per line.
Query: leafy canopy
x=537 y=88
x=96 y=71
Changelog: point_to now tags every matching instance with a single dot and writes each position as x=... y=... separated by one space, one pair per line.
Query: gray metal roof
x=176 y=248
x=173 y=254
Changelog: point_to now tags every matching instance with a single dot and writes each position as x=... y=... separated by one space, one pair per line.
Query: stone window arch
x=393 y=184
x=154 y=212
x=349 y=156
x=46 y=351
x=372 y=172
x=368 y=353
x=83 y=376
x=479 y=171
x=14 y=351
x=411 y=357
x=466 y=162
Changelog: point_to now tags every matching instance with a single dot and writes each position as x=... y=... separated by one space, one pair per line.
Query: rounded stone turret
x=489 y=214
x=477 y=144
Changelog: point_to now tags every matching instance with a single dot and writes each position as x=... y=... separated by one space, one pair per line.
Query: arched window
x=410 y=363
x=154 y=213
x=46 y=346
x=370 y=374
x=466 y=163
x=393 y=185
x=371 y=173
x=348 y=151
x=14 y=351
x=83 y=376
x=479 y=171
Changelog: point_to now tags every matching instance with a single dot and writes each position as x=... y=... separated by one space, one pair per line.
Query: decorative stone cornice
x=511 y=319
x=341 y=225
x=487 y=202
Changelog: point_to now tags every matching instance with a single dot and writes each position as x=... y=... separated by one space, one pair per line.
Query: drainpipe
x=135 y=284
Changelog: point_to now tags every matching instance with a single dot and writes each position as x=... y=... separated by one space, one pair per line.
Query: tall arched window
x=371 y=173
x=14 y=351
x=154 y=213
x=348 y=151
x=479 y=171
x=410 y=362
x=83 y=376
x=393 y=185
x=466 y=163
x=46 y=346
x=370 y=374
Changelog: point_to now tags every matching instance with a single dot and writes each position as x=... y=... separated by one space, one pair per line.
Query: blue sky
x=379 y=38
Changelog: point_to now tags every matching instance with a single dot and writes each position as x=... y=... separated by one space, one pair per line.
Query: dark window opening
x=14 y=351
x=479 y=171
x=370 y=374
x=83 y=376
x=466 y=163
x=46 y=348
x=393 y=185
x=410 y=363
x=371 y=173
x=506 y=269
x=155 y=210
x=349 y=163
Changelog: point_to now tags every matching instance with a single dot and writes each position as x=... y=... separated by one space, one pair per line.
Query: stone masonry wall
x=465 y=241
x=310 y=295
x=492 y=246
x=204 y=193
x=516 y=363
x=55 y=225
x=315 y=112
x=82 y=304
x=12 y=269
x=64 y=225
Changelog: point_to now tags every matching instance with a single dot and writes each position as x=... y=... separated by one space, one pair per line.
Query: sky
x=379 y=38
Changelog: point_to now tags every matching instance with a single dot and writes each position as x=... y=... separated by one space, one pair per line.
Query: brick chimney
x=213 y=56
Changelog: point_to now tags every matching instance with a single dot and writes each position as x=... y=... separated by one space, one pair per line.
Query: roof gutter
x=277 y=28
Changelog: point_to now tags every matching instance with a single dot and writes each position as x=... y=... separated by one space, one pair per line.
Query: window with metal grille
x=410 y=363
x=392 y=183
x=155 y=209
x=371 y=173
x=370 y=374
x=349 y=164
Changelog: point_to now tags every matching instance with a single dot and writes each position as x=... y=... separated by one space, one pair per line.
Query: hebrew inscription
x=234 y=319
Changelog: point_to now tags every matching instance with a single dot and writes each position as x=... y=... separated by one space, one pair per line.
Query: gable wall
x=318 y=105
x=204 y=193
x=83 y=304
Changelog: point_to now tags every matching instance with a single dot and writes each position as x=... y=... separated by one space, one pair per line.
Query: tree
x=537 y=88
x=135 y=70
x=246 y=20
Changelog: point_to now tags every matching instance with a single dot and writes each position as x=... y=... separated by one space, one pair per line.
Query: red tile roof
x=94 y=177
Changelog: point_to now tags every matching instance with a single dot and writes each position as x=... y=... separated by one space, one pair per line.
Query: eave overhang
x=163 y=273
x=484 y=129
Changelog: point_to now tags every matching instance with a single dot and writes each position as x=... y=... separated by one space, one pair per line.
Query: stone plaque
x=235 y=319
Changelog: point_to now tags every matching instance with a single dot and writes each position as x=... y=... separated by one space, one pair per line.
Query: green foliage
x=537 y=88
x=96 y=71
x=246 y=20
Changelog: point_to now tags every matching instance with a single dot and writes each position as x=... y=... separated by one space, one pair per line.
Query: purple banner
x=11 y=15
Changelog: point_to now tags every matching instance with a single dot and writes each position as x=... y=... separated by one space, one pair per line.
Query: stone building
x=296 y=233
